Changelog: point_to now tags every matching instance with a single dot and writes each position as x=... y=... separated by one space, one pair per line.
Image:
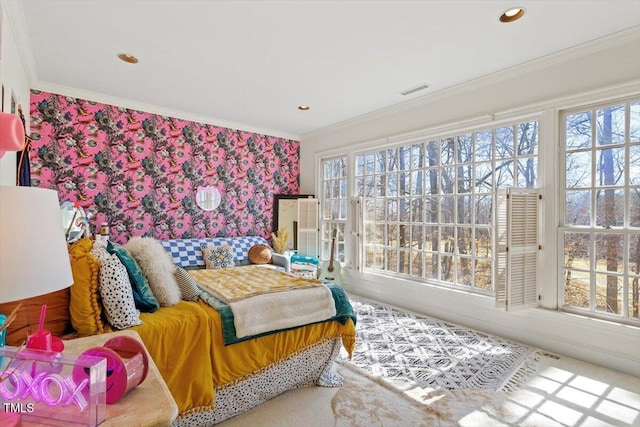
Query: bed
x=212 y=372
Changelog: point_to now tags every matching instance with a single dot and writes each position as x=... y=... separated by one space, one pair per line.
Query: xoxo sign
x=45 y=383
x=53 y=389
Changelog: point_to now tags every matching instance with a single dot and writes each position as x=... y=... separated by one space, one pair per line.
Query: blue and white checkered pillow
x=185 y=252
x=188 y=252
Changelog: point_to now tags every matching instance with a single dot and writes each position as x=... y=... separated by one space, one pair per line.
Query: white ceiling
x=251 y=63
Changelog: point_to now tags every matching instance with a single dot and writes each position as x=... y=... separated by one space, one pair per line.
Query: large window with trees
x=601 y=216
x=422 y=208
x=428 y=205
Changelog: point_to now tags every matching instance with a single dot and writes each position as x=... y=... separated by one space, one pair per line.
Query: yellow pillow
x=85 y=305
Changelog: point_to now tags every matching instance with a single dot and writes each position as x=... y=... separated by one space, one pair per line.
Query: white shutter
x=308 y=227
x=517 y=248
x=501 y=248
x=357 y=236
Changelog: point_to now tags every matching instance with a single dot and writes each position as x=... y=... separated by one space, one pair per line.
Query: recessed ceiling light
x=512 y=14
x=303 y=107
x=128 y=58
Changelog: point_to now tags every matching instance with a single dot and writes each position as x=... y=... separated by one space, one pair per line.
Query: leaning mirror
x=285 y=215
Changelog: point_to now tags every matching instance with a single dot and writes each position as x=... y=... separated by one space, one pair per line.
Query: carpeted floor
x=562 y=392
x=429 y=353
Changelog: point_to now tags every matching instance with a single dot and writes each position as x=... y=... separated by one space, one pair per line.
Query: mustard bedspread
x=186 y=343
x=178 y=339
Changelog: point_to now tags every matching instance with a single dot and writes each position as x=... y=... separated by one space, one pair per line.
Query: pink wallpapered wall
x=140 y=171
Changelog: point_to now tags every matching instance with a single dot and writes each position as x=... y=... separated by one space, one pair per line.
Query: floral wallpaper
x=139 y=171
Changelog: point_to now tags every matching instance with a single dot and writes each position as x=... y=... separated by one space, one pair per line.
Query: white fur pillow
x=157 y=266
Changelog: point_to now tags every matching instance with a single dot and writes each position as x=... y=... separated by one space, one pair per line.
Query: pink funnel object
x=42 y=338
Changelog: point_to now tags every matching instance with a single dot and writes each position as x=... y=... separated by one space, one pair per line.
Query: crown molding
x=630 y=35
x=155 y=109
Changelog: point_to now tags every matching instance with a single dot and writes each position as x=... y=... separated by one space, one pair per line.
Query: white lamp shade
x=34 y=259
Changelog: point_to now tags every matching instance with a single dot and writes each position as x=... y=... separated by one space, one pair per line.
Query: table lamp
x=34 y=259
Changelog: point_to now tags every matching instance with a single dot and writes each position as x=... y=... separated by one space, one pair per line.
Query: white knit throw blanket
x=270 y=300
x=282 y=310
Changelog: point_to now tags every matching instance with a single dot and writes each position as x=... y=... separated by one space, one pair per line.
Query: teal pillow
x=142 y=295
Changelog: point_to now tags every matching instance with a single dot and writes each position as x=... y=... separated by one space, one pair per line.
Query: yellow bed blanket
x=186 y=343
x=237 y=283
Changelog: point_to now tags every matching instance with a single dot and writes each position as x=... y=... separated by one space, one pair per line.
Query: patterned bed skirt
x=312 y=366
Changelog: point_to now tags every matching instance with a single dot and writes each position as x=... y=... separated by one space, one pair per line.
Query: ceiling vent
x=414 y=89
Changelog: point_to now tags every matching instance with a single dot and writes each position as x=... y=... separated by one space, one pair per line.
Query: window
x=601 y=215
x=334 y=206
x=423 y=208
x=428 y=205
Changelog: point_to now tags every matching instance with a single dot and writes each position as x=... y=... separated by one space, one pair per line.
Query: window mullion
x=594 y=168
x=592 y=273
x=625 y=278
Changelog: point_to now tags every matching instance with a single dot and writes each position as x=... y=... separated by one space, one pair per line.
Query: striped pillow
x=189 y=290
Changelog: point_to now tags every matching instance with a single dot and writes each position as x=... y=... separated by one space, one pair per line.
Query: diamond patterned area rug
x=429 y=353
